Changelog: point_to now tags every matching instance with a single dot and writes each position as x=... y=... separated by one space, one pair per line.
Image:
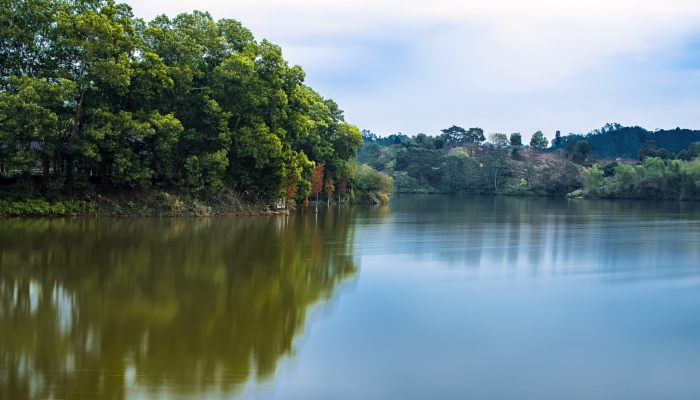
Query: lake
x=429 y=297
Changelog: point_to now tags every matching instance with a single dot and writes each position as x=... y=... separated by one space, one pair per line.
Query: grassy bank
x=367 y=186
x=135 y=204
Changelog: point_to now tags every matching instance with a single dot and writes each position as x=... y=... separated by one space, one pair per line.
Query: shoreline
x=155 y=204
x=166 y=205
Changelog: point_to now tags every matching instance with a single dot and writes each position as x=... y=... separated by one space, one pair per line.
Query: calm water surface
x=430 y=297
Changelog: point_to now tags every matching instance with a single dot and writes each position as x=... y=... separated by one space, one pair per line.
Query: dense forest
x=614 y=140
x=94 y=100
x=463 y=161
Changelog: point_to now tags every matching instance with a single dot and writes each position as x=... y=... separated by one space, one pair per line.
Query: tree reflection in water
x=96 y=307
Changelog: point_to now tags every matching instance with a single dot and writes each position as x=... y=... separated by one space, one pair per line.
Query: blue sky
x=504 y=65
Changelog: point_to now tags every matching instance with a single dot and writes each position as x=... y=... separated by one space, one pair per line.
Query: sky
x=506 y=66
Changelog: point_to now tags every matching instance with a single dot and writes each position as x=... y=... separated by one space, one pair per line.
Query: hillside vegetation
x=443 y=164
x=462 y=161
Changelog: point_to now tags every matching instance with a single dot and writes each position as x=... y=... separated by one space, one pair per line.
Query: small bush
x=576 y=194
x=372 y=186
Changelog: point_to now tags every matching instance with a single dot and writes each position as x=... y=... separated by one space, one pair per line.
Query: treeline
x=462 y=161
x=614 y=140
x=652 y=178
x=94 y=99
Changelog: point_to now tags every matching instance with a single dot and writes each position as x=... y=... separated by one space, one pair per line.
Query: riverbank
x=160 y=204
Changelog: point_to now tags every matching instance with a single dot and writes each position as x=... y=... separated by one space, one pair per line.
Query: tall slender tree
x=317 y=181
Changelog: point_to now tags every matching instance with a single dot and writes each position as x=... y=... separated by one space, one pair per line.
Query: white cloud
x=505 y=65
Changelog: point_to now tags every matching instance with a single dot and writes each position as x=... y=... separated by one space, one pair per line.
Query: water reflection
x=101 y=307
x=488 y=297
x=507 y=237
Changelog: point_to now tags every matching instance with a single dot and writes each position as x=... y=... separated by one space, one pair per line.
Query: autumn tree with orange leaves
x=317 y=181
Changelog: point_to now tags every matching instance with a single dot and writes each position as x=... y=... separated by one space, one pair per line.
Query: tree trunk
x=68 y=184
x=45 y=178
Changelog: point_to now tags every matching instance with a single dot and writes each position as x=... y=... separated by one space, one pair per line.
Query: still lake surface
x=429 y=297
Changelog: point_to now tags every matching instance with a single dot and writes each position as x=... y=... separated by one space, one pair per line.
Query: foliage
x=423 y=164
x=652 y=178
x=538 y=141
x=516 y=142
x=449 y=164
x=458 y=136
x=317 y=179
x=42 y=207
x=576 y=194
x=460 y=171
x=592 y=178
x=328 y=189
x=614 y=140
x=499 y=139
x=372 y=186
x=496 y=168
x=581 y=153
x=558 y=141
x=649 y=150
x=95 y=100
x=516 y=139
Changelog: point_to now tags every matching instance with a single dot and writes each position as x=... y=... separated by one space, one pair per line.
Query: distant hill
x=614 y=140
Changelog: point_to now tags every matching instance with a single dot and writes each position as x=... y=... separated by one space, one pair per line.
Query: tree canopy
x=538 y=141
x=458 y=136
x=93 y=98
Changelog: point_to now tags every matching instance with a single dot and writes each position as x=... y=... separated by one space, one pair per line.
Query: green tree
x=624 y=179
x=683 y=155
x=570 y=148
x=592 y=180
x=582 y=151
x=458 y=136
x=647 y=150
x=372 y=186
x=694 y=150
x=516 y=139
x=475 y=135
x=499 y=139
x=558 y=141
x=454 y=135
x=31 y=124
x=663 y=154
x=497 y=168
x=516 y=142
x=98 y=100
x=460 y=171
x=538 y=141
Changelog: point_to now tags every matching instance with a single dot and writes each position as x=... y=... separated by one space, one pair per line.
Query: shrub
x=372 y=186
